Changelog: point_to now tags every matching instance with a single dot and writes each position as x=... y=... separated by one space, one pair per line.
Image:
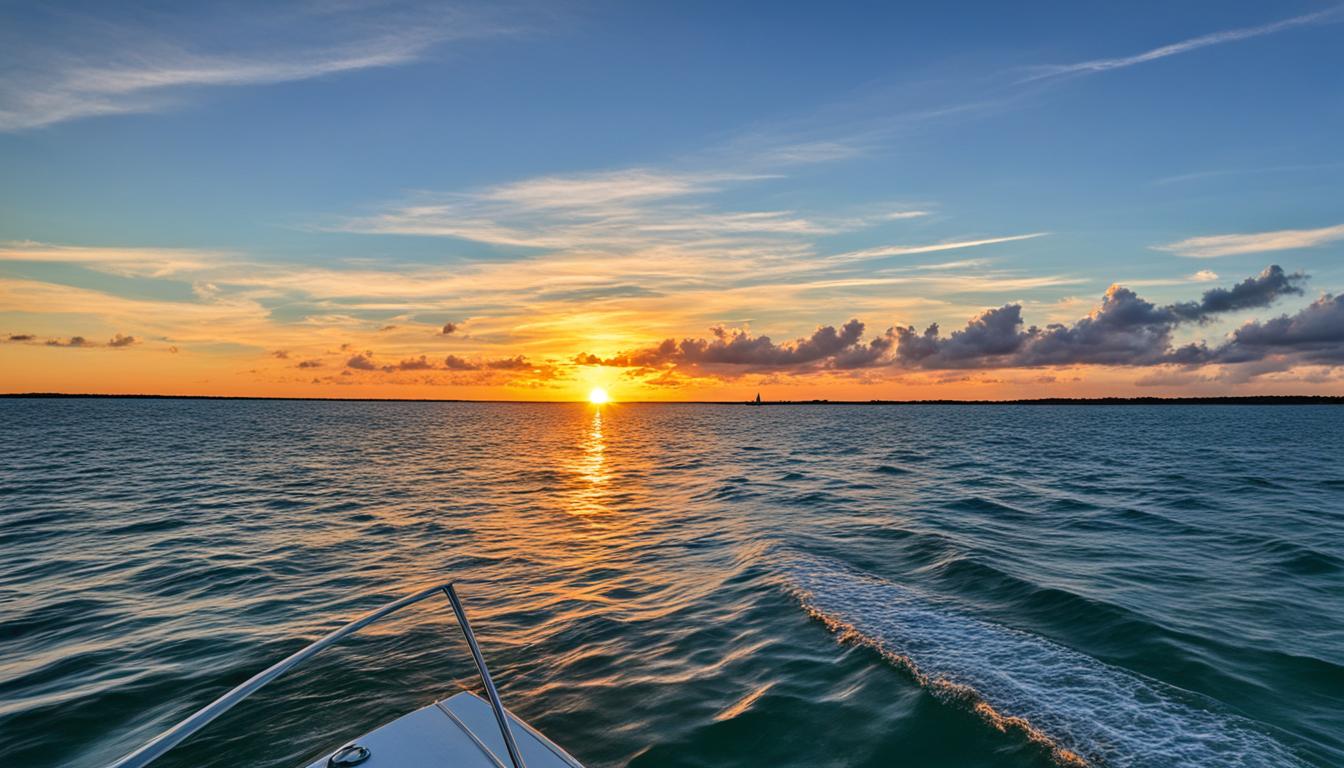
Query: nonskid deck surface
x=460 y=731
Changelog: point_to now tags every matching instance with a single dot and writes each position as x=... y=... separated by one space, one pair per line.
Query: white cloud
x=1202 y=175
x=626 y=209
x=907 y=250
x=141 y=71
x=1213 y=246
x=1185 y=46
x=609 y=188
x=150 y=262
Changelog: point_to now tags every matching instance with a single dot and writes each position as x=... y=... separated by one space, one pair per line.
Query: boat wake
x=1085 y=712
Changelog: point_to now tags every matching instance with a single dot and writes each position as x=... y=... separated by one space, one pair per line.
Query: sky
x=683 y=201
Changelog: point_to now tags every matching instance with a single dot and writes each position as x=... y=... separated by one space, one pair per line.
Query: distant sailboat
x=757 y=401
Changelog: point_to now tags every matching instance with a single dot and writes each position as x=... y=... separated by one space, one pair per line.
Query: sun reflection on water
x=593 y=474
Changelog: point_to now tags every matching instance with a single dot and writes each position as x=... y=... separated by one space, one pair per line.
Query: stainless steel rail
x=173 y=736
x=490 y=691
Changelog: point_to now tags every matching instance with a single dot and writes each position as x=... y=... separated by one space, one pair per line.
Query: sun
x=598 y=396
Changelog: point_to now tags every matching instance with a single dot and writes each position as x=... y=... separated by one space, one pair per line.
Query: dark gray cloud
x=867 y=355
x=310 y=364
x=75 y=341
x=280 y=354
x=117 y=340
x=448 y=329
x=1251 y=293
x=1313 y=335
x=362 y=362
x=826 y=347
x=420 y=363
x=518 y=363
x=1124 y=330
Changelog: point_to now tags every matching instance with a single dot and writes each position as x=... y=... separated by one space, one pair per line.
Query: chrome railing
x=173 y=736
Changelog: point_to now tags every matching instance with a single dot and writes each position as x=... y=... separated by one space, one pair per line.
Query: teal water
x=683 y=585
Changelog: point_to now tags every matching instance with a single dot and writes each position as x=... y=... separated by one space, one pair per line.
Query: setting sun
x=598 y=396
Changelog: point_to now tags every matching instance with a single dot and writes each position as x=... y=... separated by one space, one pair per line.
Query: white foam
x=1086 y=711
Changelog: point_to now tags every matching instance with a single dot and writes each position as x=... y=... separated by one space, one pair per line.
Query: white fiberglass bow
x=462 y=730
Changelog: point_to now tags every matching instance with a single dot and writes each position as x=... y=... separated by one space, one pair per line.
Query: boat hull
x=460 y=731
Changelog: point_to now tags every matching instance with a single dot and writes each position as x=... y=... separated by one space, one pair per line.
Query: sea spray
x=1084 y=711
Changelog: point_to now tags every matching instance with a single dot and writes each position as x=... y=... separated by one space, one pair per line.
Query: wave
x=1083 y=711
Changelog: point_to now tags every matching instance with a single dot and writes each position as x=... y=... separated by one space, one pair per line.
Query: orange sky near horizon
x=146 y=368
x=349 y=206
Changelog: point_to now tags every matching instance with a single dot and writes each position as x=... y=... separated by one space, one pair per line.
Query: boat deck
x=459 y=731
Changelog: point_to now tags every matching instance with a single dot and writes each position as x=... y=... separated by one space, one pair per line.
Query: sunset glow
x=1033 y=226
x=778 y=384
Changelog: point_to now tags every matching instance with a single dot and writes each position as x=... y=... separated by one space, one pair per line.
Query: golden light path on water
x=591 y=467
x=634 y=571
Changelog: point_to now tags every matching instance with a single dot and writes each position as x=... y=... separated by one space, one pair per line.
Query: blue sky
x=657 y=170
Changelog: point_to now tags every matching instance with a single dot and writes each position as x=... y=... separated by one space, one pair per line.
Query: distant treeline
x=1249 y=400
x=1246 y=400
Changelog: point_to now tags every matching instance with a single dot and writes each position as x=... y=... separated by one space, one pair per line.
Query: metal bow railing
x=173 y=736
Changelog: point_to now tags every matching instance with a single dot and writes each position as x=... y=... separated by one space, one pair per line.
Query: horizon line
x=1104 y=400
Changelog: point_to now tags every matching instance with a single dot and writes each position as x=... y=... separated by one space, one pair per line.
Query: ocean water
x=683 y=585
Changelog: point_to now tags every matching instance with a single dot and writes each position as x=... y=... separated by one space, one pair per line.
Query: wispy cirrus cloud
x=1327 y=16
x=626 y=209
x=1225 y=172
x=910 y=250
x=1213 y=246
x=604 y=208
x=605 y=189
x=118 y=69
x=148 y=262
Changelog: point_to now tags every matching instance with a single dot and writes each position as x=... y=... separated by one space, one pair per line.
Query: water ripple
x=1130 y=586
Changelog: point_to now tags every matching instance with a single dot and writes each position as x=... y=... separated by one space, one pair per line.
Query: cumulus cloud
x=1314 y=335
x=448 y=329
x=117 y=340
x=74 y=341
x=1253 y=292
x=827 y=347
x=518 y=363
x=1124 y=330
x=363 y=362
x=455 y=363
x=452 y=363
x=420 y=363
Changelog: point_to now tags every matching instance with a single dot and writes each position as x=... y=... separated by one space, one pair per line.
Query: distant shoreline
x=1233 y=400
